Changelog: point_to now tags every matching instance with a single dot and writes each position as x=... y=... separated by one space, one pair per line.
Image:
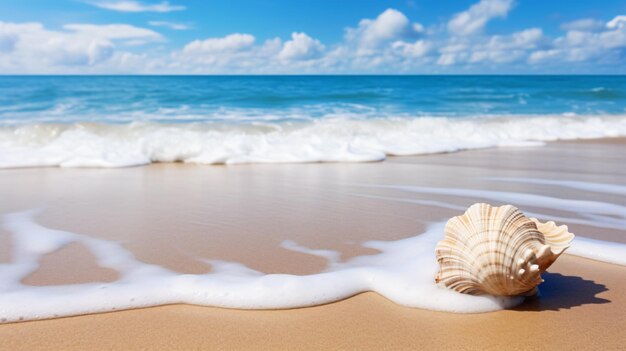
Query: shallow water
x=401 y=270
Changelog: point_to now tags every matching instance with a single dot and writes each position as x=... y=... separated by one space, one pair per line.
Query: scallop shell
x=498 y=251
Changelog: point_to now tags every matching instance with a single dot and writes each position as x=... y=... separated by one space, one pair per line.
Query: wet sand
x=174 y=215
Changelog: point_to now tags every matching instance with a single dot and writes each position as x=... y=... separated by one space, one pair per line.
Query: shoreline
x=265 y=195
x=365 y=321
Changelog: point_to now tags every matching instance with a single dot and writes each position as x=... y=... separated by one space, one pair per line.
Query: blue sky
x=323 y=36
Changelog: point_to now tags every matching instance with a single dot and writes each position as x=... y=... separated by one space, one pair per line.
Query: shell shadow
x=563 y=292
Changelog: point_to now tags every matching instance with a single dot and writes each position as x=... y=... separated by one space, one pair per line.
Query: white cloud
x=476 y=17
x=39 y=46
x=507 y=48
x=239 y=53
x=452 y=53
x=497 y=49
x=301 y=47
x=579 y=45
x=586 y=24
x=526 y=39
x=70 y=52
x=8 y=38
x=418 y=27
x=170 y=25
x=389 y=26
x=614 y=39
x=446 y=60
x=618 y=22
x=114 y=31
x=135 y=6
x=236 y=53
x=230 y=43
x=34 y=49
x=542 y=55
x=575 y=38
x=417 y=49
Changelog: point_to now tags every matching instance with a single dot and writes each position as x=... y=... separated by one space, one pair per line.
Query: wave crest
x=324 y=140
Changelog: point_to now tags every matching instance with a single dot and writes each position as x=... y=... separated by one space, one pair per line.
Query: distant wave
x=186 y=99
x=605 y=93
x=322 y=140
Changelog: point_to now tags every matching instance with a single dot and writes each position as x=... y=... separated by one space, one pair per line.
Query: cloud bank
x=135 y=6
x=387 y=43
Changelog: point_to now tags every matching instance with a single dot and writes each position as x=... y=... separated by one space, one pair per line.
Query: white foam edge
x=323 y=140
x=403 y=271
x=594 y=213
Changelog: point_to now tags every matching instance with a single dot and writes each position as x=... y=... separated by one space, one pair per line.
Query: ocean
x=117 y=121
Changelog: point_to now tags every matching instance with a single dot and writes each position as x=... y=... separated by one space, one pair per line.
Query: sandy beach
x=178 y=216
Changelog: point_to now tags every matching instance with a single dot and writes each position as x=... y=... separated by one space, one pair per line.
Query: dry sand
x=173 y=214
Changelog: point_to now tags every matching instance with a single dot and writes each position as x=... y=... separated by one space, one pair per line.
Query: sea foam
x=322 y=140
x=403 y=271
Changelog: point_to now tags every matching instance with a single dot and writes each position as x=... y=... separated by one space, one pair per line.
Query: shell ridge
x=497 y=250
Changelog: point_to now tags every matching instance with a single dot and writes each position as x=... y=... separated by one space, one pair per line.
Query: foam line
x=593 y=221
x=592 y=211
x=403 y=272
x=587 y=186
x=327 y=139
x=541 y=201
x=599 y=250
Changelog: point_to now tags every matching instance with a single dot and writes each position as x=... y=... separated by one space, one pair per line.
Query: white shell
x=498 y=251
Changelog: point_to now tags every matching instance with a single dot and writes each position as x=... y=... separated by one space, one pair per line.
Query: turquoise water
x=118 y=121
x=117 y=99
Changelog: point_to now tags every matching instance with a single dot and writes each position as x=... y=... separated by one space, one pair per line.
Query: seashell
x=498 y=251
